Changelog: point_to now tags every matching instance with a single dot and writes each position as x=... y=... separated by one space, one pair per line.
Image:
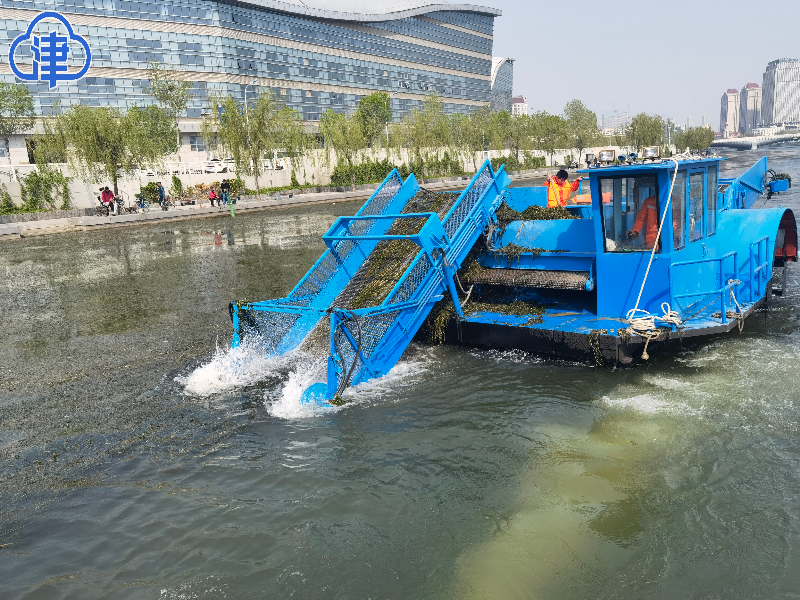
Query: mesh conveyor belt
x=402 y=253
x=561 y=280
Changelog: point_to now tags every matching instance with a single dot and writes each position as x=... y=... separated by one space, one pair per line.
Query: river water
x=141 y=459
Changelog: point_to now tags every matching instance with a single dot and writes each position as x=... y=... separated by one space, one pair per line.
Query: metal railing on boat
x=758 y=274
x=723 y=286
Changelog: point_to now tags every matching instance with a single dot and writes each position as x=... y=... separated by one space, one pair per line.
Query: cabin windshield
x=631 y=213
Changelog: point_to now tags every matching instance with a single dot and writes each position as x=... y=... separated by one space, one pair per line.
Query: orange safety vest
x=557 y=195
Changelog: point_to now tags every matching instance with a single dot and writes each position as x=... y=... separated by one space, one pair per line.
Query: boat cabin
x=711 y=256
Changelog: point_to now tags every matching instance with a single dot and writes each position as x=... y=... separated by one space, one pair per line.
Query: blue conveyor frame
x=366 y=343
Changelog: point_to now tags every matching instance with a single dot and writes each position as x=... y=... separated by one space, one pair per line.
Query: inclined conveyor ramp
x=385 y=268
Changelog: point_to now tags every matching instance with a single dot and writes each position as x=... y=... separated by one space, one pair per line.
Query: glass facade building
x=502 y=83
x=316 y=54
x=781 y=92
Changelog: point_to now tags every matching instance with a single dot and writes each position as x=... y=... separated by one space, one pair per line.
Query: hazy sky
x=670 y=58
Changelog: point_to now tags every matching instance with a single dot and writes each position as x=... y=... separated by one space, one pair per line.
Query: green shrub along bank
x=375 y=171
x=42 y=190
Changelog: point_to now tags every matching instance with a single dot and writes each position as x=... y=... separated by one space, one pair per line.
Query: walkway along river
x=136 y=461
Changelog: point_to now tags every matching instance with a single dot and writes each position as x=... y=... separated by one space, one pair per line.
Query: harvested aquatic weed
x=506 y=214
x=440 y=317
x=514 y=251
x=389 y=260
x=471 y=270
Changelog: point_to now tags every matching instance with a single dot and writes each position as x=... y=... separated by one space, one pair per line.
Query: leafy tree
x=424 y=131
x=101 y=143
x=16 y=112
x=345 y=135
x=474 y=133
x=373 y=114
x=150 y=134
x=645 y=130
x=550 y=132
x=581 y=126
x=171 y=93
x=253 y=133
x=694 y=138
x=517 y=133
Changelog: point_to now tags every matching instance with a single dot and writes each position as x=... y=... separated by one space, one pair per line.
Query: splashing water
x=235 y=368
x=290 y=406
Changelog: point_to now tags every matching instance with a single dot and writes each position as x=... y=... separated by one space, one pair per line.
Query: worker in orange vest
x=559 y=189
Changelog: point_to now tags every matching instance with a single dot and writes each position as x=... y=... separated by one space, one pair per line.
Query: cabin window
x=711 y=212
x=696 y=206
x=678 y=210
x=631 y=213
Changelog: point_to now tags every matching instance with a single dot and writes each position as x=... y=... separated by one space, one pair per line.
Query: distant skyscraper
x=707 y=121
x=689 y=122
x=616 y=120
x=519 y=106
x=749 y=107
x=729 y=115
x=502 y=83
x=781 y=92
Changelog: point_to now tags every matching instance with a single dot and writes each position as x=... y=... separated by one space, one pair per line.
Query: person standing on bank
x=162 y=193
x=226 y=190
x=559 y=189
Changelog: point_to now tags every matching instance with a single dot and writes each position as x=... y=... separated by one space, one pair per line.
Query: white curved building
x=502 y=83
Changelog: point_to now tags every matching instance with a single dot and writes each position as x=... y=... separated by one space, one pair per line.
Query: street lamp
x=254 y=82
x=247 y=132
x=387 y=128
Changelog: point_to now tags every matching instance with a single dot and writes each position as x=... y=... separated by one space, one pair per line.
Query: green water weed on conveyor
x=388 y=262
x=506 y=214
x=444 y=312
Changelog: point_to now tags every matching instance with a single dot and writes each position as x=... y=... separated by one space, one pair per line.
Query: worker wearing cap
x=559 y=189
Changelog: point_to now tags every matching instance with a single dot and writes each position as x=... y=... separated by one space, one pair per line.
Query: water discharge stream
x=140 y=457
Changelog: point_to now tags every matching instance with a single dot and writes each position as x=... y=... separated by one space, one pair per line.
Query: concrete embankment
x=44 y=226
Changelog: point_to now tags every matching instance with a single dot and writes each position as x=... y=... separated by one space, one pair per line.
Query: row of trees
x=102 y=143
x=427 y=132
x=651 y=130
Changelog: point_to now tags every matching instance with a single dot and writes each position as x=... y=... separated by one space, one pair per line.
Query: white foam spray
x=235 y=368
x=232 y=368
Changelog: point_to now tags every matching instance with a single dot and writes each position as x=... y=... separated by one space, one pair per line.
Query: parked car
x=215 y=165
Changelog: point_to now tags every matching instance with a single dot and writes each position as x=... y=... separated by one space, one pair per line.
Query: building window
x=197 y=144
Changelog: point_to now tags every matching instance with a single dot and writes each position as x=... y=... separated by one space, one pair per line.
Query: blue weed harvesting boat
x=658 y=249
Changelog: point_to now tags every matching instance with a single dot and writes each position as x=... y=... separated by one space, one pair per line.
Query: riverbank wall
x=46 y=223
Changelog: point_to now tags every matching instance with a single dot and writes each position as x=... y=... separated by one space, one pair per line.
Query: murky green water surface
x=136 y=461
